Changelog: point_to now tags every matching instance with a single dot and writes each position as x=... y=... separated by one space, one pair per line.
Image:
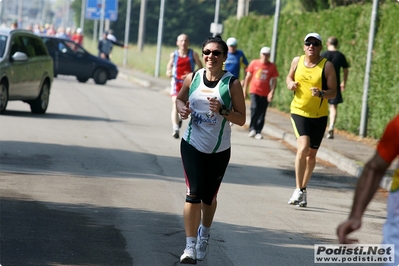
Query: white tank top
x=208 y=132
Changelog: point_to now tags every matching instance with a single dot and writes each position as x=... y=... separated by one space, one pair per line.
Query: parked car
x=72 y=59
x=26 y=70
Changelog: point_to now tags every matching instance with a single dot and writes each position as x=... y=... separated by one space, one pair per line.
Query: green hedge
x=351 y=26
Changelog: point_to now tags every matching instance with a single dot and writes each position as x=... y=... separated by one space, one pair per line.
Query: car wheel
x=3 y=97
x=39 y=106
x=100 y=76
x=81 y=79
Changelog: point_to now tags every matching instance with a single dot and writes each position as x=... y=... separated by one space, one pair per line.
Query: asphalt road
x=98 y=180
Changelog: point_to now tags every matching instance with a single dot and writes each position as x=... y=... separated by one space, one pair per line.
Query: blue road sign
x=93 y=9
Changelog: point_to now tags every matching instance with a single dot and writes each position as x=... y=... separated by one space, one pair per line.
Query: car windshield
x=3 y=41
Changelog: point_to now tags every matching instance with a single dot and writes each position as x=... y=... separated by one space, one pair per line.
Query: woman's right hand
x=185 y=111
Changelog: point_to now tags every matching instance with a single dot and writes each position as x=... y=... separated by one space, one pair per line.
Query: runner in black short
x=313 y=82
x=210 y=98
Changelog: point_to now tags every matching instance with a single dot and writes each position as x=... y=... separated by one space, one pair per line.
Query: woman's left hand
x=214 y=104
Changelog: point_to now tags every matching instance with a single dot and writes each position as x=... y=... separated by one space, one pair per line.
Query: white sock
x=191 y=241
x=331 y=127
x=204 y=232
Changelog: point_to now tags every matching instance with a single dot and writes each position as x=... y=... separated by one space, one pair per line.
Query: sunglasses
x=215 y=52
x=315 y=44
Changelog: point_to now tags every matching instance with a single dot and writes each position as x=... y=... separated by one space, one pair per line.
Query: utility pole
x=102 y=18
x=82 y=15
x=247 y=7
x=44 y=9
x=67 y=7
x=95 y=31
x=363 y=117
x=159 y=41
x=1 y=9
x=140 y=41
x=20 y=14
x=275 y=31
x=240 y=9
x=107 y=23
x=127 y=30
x=216 y=19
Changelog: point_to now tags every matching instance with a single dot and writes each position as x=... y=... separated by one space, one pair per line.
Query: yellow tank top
x=304 y=104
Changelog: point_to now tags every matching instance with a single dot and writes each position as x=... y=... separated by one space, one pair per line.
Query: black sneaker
x=176 y=134
x=330 y=134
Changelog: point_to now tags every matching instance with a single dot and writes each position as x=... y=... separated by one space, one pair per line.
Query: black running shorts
x=312 y=127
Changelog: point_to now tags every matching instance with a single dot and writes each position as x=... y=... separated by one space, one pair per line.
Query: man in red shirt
x=77 y=37
x=262 y=80
x=181 y=62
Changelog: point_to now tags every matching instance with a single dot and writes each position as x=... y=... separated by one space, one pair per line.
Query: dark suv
x=71 y=59
x=26 y=70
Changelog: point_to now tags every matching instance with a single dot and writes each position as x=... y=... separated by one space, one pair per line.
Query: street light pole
x=363 y=118
x=159 y=41
x=240 y=9
x=102 y=18
x=20 y=14
x=127 y=30
x=82 y=15
x=1 y=9
x=140 y=40
x=275 y=31
x=216 y=20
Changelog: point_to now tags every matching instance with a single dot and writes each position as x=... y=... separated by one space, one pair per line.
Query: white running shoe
x=202 y=246
x=252 y=133
x=189 y=256
x=303 y=202
x=296 y=197
x=258 y=136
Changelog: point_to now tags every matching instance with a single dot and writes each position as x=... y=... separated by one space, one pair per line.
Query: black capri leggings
x=203 y=172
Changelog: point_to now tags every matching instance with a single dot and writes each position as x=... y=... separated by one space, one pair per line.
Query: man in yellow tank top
x=313 y=81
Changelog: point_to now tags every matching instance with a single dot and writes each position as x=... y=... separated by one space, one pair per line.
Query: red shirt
x=77 y=38
x=261 y=75
x=388 y=147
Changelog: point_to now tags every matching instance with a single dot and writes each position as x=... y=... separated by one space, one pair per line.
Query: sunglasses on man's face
x=215 y=52
x=315 y=44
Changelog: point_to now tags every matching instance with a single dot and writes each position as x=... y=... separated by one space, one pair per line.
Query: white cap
x=265 y=50
x=312 y=35
x=111 y=37
x=79 y=30
x=231 y=41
